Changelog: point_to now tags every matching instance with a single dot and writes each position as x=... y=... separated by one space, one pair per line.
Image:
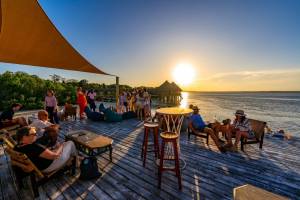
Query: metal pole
x=117 y=91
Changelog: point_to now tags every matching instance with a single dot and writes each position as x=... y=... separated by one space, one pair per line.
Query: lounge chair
x=23 y=167
x=259 y=129
x=192 y=131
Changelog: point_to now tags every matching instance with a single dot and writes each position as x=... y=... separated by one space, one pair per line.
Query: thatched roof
x=168 y=88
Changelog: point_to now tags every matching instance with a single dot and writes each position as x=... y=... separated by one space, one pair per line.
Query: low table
x=249 y=192
x=90 y=143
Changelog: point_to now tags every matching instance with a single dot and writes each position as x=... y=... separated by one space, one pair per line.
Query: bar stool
x=148 y=126
x=169 y=137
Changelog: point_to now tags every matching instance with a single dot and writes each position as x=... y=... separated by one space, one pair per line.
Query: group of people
x=240 y=127
x=38 y=140
x=137 y=100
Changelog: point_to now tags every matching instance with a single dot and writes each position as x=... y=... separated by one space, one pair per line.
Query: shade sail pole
x=117 y=91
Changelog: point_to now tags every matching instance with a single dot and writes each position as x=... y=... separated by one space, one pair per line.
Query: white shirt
x=40 y=126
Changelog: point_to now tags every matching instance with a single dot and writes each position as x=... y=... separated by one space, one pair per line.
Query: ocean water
x=281 y=110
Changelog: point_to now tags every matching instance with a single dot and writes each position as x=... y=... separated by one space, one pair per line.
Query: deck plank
x=208 y=175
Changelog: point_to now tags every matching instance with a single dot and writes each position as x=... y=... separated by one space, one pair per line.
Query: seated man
x=6 y=117
x=44 y=159
x=197 y=125
x=240 y=127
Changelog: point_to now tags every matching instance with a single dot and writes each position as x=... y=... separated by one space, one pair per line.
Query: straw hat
x=240 y=113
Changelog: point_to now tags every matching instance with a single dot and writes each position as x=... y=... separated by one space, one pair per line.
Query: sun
x=184 y=74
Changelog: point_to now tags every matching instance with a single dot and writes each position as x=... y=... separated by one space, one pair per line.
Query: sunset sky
x=231 y=45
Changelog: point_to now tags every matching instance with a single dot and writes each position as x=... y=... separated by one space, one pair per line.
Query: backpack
x=89 y=168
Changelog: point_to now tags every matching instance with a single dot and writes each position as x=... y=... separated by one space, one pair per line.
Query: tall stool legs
x=169 y=137
x=147 y=128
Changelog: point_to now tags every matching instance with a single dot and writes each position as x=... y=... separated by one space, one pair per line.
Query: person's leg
x=69 y=150
x=228 y=132
x=20 y=120
x=55 y=117
x=238 y=136
x=214 y=137
x=50 y=113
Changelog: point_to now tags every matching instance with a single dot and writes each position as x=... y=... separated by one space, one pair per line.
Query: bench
x=23 y=167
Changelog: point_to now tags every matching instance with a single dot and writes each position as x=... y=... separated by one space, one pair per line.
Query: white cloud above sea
x=259 y=80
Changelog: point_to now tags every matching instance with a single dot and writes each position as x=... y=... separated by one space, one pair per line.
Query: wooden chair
x=259 y=129
x=70 y=110
x=192 y=131
x=23 y=167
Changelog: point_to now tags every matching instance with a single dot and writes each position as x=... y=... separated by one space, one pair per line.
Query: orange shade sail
x=28 y=37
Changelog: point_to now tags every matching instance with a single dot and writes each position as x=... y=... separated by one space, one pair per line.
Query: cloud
x=253 y=74
x=260 y=80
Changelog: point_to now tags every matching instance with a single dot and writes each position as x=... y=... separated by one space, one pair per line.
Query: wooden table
x=173 y=117
x=249 y=192
x=91 y=143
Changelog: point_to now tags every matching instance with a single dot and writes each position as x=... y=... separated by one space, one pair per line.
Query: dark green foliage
x=30 y=90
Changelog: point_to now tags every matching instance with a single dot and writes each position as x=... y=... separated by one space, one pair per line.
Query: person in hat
x=240 y=127
x=7 y=117
x=197 y=125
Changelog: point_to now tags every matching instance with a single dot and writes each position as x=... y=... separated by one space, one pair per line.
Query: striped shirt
x=242 y=126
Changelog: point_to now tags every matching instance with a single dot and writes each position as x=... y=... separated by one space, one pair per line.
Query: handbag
x=89 y=168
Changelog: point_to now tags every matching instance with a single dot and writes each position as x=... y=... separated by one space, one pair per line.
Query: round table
x=173 y=117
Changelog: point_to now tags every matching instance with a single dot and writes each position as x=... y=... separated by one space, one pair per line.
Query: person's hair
x=51 y=91
x=191 y=106
x=79 y=89
x=15 y=105
x=42 y=113
x=22 y=132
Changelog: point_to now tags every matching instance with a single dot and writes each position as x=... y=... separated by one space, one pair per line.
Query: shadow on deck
x=208 y=175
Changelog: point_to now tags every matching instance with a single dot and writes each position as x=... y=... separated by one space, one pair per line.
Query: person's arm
x=52 y=155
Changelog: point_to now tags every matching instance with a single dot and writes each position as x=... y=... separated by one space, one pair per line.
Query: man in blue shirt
x=197 y=125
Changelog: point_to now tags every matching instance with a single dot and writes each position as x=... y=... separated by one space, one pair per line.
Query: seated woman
x=6 y=117
x=197 y=124
x=240 y=127
x=44 y=159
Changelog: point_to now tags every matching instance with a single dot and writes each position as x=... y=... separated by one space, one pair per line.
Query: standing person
x=6 y=117
x=125 y=102
x=139 y=104
x=132 y=102
x=147 y=109
x=81 y=101
x=91 y=99
x=51 y=106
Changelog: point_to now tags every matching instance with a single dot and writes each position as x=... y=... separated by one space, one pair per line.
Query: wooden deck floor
x=208 y=174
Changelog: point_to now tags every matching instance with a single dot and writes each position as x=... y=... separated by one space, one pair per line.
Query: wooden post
x=117 y=91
